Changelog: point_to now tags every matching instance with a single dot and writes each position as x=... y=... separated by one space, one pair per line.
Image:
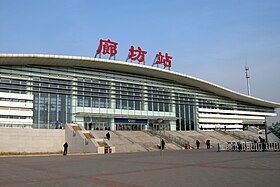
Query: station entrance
x=130 y=127
x=130 y=124
x=159 y=126
x=97 y=126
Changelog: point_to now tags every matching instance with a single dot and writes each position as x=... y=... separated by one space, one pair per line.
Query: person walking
x=108 y=136
x=197 y=144
x=65 y=146
x=219 y=149
x=162 y=144
x=262 y=141
x=208 y=144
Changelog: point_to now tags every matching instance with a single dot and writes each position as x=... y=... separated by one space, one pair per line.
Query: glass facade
x=159 y=99
x=129 y=96
x=186 y=111
x=76 y=94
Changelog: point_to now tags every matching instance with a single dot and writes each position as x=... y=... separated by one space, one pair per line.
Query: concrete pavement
x=194 y=168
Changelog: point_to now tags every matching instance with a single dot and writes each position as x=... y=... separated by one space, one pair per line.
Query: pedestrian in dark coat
x=262 y=141
x=197 y=144
x=208 y=144
x=162 y=144
x=65 y=146
x=108 y=136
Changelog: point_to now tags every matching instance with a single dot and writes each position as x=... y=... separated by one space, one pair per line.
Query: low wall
x=79 y=143
x=19 y=140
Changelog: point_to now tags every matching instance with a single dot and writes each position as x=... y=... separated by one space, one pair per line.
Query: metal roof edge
x=202 y=84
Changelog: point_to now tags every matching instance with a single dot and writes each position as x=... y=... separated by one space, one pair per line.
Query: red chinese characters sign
x=165 y=60
x=135 y=54
x=107 y=47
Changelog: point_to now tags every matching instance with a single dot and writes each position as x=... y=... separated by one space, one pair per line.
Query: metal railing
x=170 y=138
x=237 y=135
x=249 y=147
x=15 y=125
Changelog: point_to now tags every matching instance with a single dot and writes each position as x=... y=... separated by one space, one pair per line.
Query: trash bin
x=107 y=150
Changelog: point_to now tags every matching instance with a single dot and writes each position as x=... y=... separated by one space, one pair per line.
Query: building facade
x=51 y=90
x=16 y=109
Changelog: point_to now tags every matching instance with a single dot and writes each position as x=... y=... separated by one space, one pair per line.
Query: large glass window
x=96 y=94
x=80 y=101
x=87 y=102
x=185 y=111
x=159 y=99
x=128 y=96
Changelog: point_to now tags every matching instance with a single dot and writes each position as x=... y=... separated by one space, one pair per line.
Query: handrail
x=239 y=136
x=274 y=131
x=176 y=139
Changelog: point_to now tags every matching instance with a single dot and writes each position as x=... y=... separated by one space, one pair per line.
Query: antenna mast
x=247 y=78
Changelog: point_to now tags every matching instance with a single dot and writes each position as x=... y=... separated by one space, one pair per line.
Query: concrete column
x=172 y=125
x=113 y=96
x=145 y=100
x=74 y=100
x=112 y=124
x=173 y=109
x=173 y=105
x=29 y=86
x=195 y=117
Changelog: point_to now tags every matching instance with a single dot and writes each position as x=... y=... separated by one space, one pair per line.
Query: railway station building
x=49 y=91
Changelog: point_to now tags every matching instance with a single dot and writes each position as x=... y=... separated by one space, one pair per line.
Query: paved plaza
x=172 y=168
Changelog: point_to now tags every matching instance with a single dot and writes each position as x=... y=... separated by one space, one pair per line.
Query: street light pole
x=265 y=125
x=247 y=78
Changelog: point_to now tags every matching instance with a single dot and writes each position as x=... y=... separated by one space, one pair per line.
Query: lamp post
x=247 y=78
x=161 y=127
x=265 y=130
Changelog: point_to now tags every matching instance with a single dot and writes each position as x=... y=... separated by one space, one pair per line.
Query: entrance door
x=130 y=126
x=159 y=126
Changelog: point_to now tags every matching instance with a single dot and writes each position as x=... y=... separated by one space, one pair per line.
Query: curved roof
x=61 y=60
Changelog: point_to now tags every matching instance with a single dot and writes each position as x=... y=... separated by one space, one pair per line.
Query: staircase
x=125 y=141
x=180 y=142
x=239 y=136
x=83 y=141
x=274 y=131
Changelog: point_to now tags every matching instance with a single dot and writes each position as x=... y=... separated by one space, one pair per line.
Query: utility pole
x=247 y=79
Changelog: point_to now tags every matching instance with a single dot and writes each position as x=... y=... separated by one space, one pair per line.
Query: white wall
x=11 y=106
x=21 y=140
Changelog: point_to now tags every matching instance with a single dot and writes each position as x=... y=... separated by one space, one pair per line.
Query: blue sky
x=208 y=39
